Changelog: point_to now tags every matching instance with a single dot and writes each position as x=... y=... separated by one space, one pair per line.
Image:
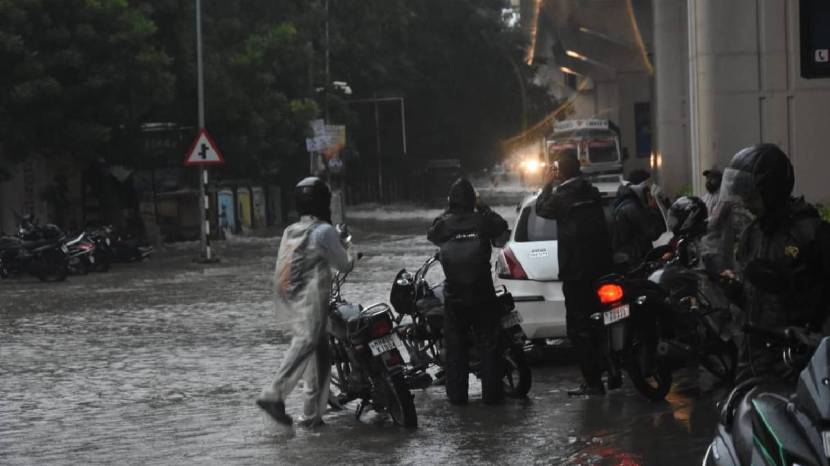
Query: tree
x=75 y=71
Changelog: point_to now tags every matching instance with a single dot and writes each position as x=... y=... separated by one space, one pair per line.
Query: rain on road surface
x=160 y=363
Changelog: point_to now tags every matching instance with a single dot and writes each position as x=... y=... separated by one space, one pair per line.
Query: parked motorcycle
x=103 y=254
x=81 y=252
x=367 y=360
x=45 y=259
x=120 y=246
x=420 y=308
x=766 y=423
x=660 y=316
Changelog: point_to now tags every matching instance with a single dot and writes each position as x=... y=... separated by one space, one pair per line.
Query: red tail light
x=610 y=293
x=514 y=268
x=381 y=328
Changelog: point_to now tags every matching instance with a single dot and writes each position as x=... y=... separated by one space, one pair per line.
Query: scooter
x=763 y=423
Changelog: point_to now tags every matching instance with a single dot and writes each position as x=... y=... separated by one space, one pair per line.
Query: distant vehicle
x=595 y=142
x=529 y=265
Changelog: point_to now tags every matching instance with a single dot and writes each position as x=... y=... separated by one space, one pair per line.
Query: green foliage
x=824 y=210
x=81 y=76
x=74 y=70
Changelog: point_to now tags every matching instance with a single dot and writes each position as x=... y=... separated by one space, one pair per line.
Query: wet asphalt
x=160 y=363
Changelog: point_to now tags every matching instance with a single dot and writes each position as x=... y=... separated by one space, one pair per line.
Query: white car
x=528 y=266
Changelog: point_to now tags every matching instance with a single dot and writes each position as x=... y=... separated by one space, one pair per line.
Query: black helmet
x=764 y=171
x=313 y=197
x=687 y=216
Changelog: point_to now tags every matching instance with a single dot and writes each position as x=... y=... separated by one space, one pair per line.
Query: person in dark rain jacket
x=584 y=255
x=466 y=232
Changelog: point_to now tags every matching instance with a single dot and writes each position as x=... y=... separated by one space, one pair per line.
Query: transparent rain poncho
x=302 y=283
x=728 y=220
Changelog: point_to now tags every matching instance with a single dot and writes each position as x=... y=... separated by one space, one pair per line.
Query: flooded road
x=160 y=363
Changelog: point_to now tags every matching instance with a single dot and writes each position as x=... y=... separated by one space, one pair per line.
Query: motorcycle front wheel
x=399 y=402
x=517 y=377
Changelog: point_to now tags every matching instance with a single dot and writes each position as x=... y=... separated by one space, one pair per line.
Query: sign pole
x=204 y=210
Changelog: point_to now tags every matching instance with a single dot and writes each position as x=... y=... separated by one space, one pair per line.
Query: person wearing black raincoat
x=466 y=232
x=636 y=224
x=783 y=256
x=308 y=251
x=585 y=254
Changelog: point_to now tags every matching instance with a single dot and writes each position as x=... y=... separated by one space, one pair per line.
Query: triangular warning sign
x=204 y=151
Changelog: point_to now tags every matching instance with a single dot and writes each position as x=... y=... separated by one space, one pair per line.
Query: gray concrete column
x=671 y=76
x=723 y=81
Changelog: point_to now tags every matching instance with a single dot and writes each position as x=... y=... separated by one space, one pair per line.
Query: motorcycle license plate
x=615 y=315
x=511 y=319
x=384 y=344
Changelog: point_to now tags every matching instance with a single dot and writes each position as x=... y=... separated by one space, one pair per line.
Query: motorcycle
x=103 y=254
x=46 y=259
x=420 y=308
x=367 y=360
x=764 y=423
x=658 y=317
x=81 y=252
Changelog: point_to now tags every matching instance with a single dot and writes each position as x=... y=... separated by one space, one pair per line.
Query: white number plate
x=616 y=314
x=826 y=435
x=384 y=344
x=511 y=319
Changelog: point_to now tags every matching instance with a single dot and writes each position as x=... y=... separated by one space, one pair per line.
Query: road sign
x=204 y=151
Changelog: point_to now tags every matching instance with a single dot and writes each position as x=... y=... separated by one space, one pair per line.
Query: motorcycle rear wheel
x=650 y=377
x=399 y=402
x=517 y=378
x=723 y=364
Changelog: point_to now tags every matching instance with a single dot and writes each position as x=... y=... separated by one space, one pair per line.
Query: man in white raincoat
x=309 y=250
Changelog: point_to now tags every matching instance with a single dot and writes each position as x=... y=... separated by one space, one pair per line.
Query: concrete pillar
x=724 y=81
x=671 y=74
x=746 y=88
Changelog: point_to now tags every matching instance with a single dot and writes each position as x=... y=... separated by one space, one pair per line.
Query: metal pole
x=403 y=125
x=380 y=164
x=204 y=216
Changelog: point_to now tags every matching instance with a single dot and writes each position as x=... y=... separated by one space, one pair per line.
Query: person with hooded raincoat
x=584 y=255
x=308 y=251
x=466 y=232
x=782 y=257
x=636 y=224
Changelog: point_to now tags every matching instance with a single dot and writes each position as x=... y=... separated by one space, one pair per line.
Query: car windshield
x=532 y=227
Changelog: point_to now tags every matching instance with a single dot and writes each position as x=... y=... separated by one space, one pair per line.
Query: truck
x=595 y=142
